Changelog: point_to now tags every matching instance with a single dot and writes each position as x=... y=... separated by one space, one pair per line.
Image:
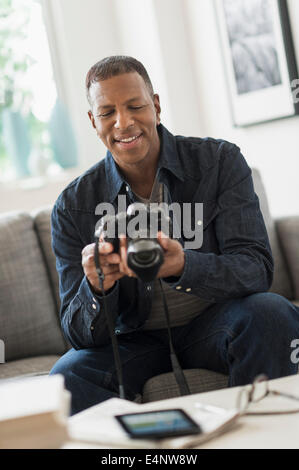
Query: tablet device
x=158 y=424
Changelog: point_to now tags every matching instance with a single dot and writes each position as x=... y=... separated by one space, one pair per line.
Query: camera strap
x=109 y=323
x=177 y=370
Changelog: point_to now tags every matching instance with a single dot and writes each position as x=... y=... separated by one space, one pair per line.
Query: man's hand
x=174 y=257
x=123 y=267
x=114 y=265
x=109 y=262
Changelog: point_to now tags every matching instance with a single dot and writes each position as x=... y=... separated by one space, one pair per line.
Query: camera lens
x=144 y=257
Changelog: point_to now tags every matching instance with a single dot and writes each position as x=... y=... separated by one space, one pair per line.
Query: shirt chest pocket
x=210 y=211
x=194 y=233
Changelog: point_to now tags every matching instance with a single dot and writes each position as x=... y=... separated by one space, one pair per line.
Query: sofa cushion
x=164 y=386
x=39 y=365
x=288 y=231
x=28 y=321
x=42 y=225
x=281 y=282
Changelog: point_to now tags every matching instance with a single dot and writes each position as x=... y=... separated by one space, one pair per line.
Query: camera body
x=140 y=224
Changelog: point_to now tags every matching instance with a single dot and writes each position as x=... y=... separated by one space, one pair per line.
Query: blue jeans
x=241 y=338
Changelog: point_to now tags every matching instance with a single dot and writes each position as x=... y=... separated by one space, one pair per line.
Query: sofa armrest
x=288 y=233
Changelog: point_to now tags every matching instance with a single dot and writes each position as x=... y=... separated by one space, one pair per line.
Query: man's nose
x=123 y=120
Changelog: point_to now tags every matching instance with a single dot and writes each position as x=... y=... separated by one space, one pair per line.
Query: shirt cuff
x=95 y=302
x=194 y=274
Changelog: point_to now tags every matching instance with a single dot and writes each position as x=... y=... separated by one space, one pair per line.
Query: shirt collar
x=169 y=159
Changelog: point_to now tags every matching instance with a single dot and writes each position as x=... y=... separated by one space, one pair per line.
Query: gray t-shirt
x=182 y=307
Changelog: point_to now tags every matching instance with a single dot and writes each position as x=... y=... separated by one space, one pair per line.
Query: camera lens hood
x=144 y=257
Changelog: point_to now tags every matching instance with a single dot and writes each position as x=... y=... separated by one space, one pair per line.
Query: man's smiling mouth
x=128 y=139
x=129 y=142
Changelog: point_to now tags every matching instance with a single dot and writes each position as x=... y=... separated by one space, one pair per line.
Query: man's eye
x=105 y=114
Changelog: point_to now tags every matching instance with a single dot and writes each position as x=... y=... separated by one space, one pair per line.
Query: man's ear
x=156 y=100
x=90 y=115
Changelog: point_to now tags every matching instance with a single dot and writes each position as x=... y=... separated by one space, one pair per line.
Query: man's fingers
x=88 y=259
x=163 y=240
x=105 y=260
x=123 y=266
x=87 y=249
x=107 y=269
x=108 y=258
x=113 y=258
x=105 y=247
x=110 y=269
x=167 y=243
x=109 y=280
x=123 y=253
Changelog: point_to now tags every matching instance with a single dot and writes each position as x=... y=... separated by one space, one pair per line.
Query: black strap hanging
x=177 y=370
x=109 y=323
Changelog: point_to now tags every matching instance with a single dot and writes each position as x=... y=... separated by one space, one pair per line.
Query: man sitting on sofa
x=222 y=317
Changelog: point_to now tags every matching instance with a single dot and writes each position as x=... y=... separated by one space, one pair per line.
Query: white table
x=250 y=432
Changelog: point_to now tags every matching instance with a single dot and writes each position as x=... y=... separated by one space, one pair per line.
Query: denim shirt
x=234 y=260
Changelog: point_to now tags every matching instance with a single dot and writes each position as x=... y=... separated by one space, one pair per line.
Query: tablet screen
x=156 y=424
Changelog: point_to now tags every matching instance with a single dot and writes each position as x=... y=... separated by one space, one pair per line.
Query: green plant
x=14 y=16
x=14 y=63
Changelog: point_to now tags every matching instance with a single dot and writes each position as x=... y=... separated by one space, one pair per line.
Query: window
x=36 y=137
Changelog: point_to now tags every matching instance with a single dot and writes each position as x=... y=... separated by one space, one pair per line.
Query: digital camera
x=140 y=224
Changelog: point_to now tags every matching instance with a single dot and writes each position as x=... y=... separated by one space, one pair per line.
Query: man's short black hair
x=116 y=65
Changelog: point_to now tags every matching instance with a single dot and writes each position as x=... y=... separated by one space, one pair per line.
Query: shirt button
x=117 y=332
x=149 y=288
x=178 y=287
x=94 y=306
x=199 y=222
x=92 y=328
x=189 y=289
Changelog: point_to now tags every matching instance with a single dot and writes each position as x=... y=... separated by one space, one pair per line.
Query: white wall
x=35 y=193
x=177 y=42
x=271 y=147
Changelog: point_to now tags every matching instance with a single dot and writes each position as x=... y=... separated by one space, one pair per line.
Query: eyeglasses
x=253 y=397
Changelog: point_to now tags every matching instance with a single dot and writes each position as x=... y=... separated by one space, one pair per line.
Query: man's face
x=125 y=117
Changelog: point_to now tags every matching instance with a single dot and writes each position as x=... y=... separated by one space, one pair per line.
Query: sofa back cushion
x=288 y=232
x=281 y=282
x=42 y=225
x=28 y=320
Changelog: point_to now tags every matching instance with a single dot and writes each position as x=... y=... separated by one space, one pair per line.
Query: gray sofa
x=29 y=296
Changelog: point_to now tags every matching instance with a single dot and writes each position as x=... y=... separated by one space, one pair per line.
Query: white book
x=98 y=425
x=33 y=412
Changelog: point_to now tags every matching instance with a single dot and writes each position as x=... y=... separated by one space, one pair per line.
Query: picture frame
x=259 y=60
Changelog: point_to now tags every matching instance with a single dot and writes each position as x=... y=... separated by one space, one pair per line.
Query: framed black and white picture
x=259 y=59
